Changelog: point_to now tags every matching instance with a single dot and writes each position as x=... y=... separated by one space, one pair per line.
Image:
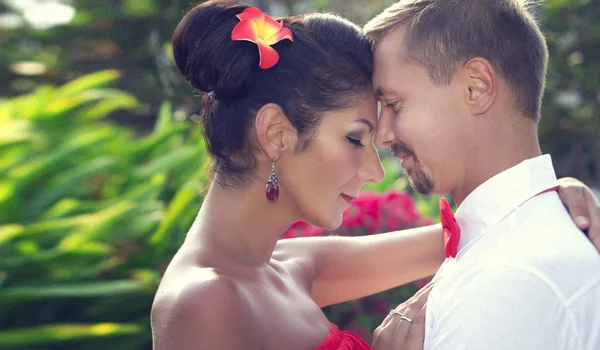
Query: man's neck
x=496 y=152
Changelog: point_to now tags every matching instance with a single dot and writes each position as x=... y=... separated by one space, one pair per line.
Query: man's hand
x=404 y=327
x=583 y=207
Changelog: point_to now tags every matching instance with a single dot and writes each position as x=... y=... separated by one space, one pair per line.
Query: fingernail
x=581 y=221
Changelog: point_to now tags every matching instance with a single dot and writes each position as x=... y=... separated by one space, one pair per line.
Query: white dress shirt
x=524 y=278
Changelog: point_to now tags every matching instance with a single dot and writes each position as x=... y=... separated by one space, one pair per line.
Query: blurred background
x=102 y=163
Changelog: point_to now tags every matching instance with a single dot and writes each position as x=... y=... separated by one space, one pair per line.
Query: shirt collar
x=500 y=195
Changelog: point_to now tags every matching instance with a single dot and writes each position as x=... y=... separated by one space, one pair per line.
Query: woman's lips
x=347 y=198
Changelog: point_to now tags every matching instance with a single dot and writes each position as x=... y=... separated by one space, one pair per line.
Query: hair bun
x=207 y=56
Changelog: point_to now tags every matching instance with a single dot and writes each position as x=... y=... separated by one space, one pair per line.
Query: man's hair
x=442 y=35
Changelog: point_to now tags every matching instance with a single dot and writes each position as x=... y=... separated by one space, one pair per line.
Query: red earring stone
x=272 y=186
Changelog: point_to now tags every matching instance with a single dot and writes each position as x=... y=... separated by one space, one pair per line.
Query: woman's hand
x=583 y=207
x=404 y=327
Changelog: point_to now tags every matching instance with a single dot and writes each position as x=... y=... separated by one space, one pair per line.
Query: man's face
x=420 y=121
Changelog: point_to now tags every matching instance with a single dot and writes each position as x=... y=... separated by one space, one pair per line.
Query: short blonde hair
x=441 y=35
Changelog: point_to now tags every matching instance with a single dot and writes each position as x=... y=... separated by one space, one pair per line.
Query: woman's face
x=322 y=180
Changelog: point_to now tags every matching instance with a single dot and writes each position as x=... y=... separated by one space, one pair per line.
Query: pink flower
x=399 y=209
x=364 y=213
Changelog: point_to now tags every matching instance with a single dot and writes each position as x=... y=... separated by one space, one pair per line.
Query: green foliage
x=570 y=126
x=129 y=35
x=89 y=215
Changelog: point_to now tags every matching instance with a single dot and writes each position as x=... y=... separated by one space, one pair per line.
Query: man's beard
x=417 y=178
x=420 y=181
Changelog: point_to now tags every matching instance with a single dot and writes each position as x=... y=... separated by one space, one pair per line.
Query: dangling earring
x=272 y=186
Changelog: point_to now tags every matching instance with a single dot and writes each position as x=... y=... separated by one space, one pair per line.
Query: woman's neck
x=241 y=223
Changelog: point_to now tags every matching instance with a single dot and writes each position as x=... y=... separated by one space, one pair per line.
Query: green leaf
x=180 y=203
x=15 y=132
x=140 y=8
x=27 y=107
x=79 y=290
x=146 y=190
x=63 y=332
x=54 y=160
x=144 y=147
x=88 y=82
x=164 y=120
x=62 y=208
x=108 y=101
x=111 y=101
x=187 y=156
x=68 y=181
x=101 y=222
x=90 y=252
x=7 y=192
x=8 y=232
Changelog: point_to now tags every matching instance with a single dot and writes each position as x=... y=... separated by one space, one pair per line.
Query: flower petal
x=284 y=33
x=255 y=15
x=271 y=27
x=268 y=55
x=251 y=13
x=245 y=30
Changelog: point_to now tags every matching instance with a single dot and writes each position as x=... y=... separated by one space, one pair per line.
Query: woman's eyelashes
x=355 y=140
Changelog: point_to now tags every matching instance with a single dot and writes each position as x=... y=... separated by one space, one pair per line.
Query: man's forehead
x=388 y=56
x=384 y=80
x=391 y=43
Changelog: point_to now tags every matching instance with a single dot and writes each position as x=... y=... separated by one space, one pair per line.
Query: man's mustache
x=399 y=148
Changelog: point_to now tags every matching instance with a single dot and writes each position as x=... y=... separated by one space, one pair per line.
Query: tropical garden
x=103 y=166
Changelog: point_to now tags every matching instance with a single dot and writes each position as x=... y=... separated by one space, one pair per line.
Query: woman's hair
x=327 y=66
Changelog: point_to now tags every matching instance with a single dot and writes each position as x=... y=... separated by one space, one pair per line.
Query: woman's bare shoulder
x=204 y=310
x=297 y=256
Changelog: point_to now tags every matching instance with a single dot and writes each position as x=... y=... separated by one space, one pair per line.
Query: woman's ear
x=274 y=132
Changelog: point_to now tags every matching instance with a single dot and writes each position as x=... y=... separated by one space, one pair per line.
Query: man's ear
x=481 y=86
x=275 y=134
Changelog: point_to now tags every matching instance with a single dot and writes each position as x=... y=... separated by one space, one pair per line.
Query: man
x=461 y=84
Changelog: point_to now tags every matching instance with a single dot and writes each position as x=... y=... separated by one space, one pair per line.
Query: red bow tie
x=450 y=227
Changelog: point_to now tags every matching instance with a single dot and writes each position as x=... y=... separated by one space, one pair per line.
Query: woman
x=298 y=118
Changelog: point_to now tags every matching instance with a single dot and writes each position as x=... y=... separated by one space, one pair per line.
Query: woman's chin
x=331 y=223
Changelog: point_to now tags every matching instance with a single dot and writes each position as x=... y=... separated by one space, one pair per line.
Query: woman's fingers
x=396 y=329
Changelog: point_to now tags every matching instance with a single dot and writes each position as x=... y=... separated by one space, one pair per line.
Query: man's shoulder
x=509 y=307
x=545 y=214
x=535 y=281
x=546 y=311
x=546 y=241
x=534 y=250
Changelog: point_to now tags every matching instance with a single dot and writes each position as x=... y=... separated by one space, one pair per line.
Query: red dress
x=342 y=340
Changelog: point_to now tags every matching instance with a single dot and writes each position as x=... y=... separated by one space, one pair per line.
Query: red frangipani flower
x=262 y=30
